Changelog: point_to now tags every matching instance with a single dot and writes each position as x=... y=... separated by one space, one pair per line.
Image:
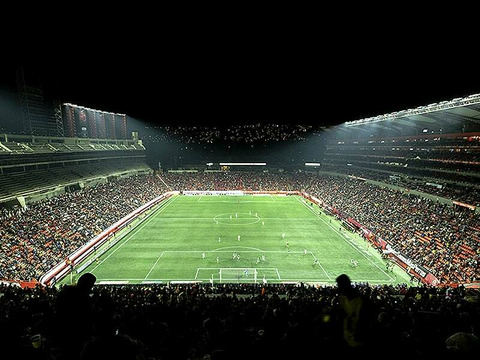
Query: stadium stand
x=444 y=164
x=34 y=239
x=40 y=163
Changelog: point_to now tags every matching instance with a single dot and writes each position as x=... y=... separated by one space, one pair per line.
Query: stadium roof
x=448 y=116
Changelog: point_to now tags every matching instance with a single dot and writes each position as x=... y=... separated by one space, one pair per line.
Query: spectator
x=355 y=315
x=75 y=316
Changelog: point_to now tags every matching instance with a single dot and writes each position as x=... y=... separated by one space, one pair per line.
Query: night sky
x=267 y=78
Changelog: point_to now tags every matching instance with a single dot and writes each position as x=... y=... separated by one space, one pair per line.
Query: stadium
x=208 y=241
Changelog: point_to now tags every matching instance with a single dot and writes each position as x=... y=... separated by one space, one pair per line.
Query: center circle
x=236 y=219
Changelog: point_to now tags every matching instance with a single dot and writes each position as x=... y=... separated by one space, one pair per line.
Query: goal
x=238 y=274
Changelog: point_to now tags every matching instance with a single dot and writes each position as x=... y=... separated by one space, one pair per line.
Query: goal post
x=237 y=275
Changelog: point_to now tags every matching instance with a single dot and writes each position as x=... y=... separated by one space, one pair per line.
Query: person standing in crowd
x=75 y=316
x=354 y=315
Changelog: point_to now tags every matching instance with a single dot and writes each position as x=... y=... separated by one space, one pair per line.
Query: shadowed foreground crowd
x=236 y=321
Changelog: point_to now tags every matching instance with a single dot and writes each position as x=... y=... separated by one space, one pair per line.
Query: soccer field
x=239 y=239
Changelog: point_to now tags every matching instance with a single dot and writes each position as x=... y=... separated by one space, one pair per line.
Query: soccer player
x=315 y=262
x=353 y=263
x=219 y=239
x=203 y=255
x=304 y=251
x=283 y=235
x=263 y=257
x=238 y=237
x=218 y=259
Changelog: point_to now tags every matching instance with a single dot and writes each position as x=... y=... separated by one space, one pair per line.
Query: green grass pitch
x=196 y=238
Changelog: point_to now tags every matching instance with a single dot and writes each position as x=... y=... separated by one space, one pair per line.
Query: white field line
x=129 y=236
x=156 y=262
x=342 y=236
x=329 y=278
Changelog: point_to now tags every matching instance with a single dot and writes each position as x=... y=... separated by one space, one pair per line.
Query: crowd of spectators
x=36 y=238
x=463 y=192
x=441 y=238
x=234 y=321
x=233 y=180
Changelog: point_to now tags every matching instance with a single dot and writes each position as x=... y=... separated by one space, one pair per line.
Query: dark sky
x=268 y=77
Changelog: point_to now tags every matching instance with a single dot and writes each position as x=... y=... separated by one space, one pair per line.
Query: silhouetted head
x=86 y=282
x=344 y=284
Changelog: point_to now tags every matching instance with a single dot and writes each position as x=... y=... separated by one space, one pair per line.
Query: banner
x=408 y=262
